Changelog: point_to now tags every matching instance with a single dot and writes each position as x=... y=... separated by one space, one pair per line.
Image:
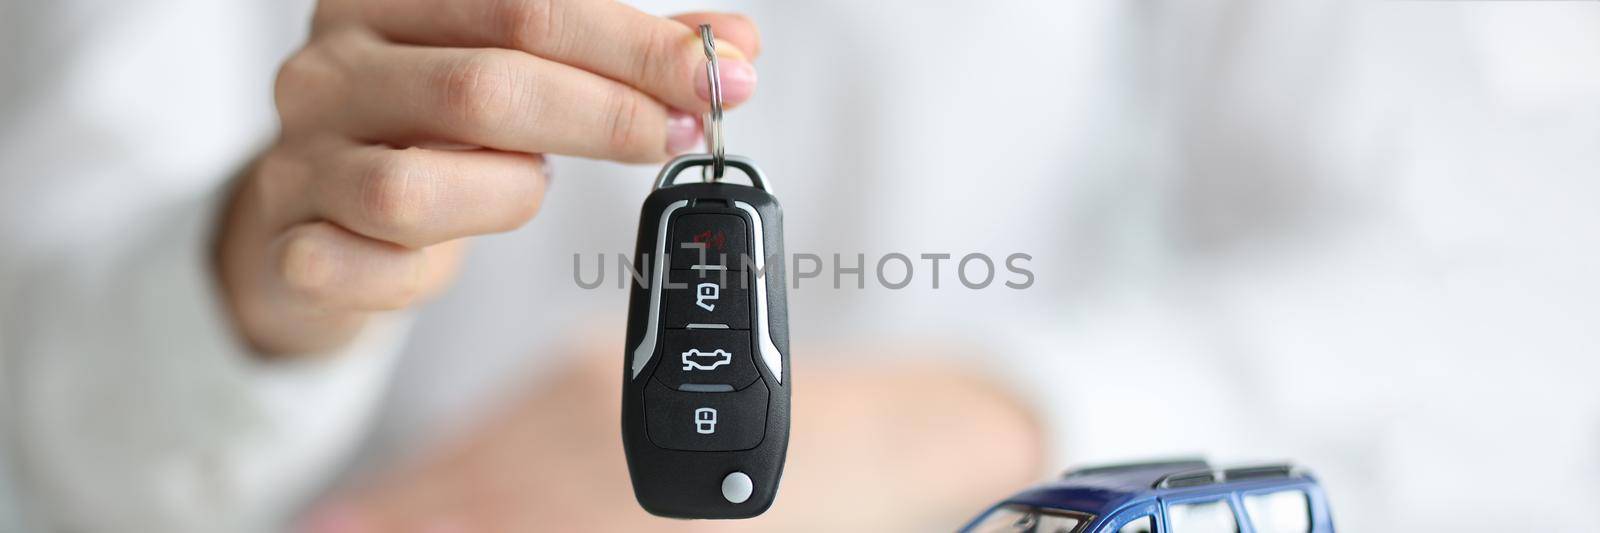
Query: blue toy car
x=1187 y=496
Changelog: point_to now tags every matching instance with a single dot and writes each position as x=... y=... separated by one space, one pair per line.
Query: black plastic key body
x=705 y=419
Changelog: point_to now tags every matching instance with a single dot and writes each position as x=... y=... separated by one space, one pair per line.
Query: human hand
x=901 y=445
x=408 y=125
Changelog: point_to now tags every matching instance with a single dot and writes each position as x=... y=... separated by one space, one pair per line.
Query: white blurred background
x=1359 y=235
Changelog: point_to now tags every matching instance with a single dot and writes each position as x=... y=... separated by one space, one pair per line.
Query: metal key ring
x=713 y=119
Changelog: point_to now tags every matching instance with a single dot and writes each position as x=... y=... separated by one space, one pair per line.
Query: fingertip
x=738 y=81
x=683 y=132
x=737 y=29
x=748 y=36
x=307 y=262
x=727 y=50
x=325 y=266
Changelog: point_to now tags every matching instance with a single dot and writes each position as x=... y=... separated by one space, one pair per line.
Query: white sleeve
x=131 y=406
x=126 y=402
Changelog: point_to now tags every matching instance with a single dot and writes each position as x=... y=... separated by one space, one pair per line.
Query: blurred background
x=1358 y=235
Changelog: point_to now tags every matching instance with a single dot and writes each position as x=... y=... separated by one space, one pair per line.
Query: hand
x=906 y=445
x=408 y=125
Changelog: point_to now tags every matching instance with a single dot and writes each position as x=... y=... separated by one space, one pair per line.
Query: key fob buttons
x=706 y=393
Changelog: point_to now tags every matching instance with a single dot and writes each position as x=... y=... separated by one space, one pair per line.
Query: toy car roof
x=1101 y=489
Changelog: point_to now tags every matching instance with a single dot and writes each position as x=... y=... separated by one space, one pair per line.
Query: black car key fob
x=705 y=397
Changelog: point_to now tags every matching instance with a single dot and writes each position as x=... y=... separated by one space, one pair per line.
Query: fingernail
x=738 y=81
x=683 y=131
x=336 y=519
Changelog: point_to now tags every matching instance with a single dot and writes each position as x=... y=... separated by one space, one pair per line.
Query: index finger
x=658 y=56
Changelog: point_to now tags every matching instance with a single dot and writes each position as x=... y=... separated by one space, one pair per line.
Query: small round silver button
x=736 y=488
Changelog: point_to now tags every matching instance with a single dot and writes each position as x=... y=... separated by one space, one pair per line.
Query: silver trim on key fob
x=670 y=172
x=769 y=353
x=647 y=346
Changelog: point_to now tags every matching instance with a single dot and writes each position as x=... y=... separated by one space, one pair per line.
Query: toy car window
x=1056 y=523
x=1003 y=520
x=1143 y=524
x=1284 y=511
x=1023 y=519
x=1215 y=516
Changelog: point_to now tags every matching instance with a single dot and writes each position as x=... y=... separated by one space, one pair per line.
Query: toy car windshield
x=1025 y=519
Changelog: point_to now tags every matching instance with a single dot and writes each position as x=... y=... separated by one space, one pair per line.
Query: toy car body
x=1188 y=496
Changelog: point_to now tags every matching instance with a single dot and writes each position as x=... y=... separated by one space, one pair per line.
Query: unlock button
x=714 y=298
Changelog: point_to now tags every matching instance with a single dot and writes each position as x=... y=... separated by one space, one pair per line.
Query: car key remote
x=705 y=396
x=705 y=401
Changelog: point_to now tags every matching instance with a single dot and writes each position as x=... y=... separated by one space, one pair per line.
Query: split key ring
x=713 y=119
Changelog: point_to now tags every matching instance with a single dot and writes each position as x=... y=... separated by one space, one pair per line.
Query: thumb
x=728 y=28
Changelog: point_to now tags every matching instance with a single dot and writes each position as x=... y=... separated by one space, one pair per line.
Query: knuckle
x=275 y=165
x=333 y=13
x=295 y=80
x=625 y=135
x=530 y=24
x=480 y=91
x=526 y=208
x=654 y=59
x=307 y=265
x=395 y=194
x=279 y=179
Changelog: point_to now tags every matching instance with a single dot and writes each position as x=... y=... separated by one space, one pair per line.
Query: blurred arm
x=126 y=401
x=131 y=401
x=911 y=443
